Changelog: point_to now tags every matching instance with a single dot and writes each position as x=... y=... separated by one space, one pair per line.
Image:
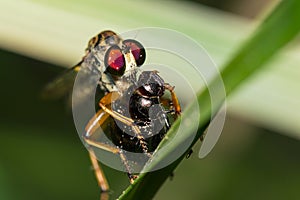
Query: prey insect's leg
x=174 y=99
x=105 y=105
x=130 y=175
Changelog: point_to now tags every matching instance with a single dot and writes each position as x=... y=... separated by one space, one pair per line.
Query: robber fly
x=133 y=102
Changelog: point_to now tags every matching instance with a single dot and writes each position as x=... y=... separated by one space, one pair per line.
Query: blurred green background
x=41 y=155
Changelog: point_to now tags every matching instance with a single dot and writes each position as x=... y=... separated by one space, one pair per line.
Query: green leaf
x=252 y=56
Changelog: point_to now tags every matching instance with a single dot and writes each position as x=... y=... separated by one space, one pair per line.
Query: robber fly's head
x=123 y=58
x=119 y=57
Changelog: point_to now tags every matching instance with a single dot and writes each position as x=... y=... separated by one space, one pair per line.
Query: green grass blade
x=277 y=29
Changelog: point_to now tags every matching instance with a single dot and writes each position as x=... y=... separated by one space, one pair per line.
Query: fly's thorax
x=104 y=39
x=109 y=38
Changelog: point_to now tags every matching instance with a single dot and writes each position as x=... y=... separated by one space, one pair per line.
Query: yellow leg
x=96 y=121
x=175 y=101
x=99 y=173
x=102 y=182
x=105 y=105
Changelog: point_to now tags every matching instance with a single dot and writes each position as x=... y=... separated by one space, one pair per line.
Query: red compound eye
x=115 y=61
x=137 y=50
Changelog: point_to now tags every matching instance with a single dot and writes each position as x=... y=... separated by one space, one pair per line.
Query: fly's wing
x=91 y=69
x=62 y=85
x=86 y=85
x=78 y=83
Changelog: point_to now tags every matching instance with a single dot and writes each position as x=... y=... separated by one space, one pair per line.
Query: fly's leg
x=99 y=173
x=98 y=119
x=105 y=104
x=92 y=126
x=102 y=182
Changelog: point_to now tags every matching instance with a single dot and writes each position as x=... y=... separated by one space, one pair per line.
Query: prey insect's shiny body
x=142 y=104
x=133 y=102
